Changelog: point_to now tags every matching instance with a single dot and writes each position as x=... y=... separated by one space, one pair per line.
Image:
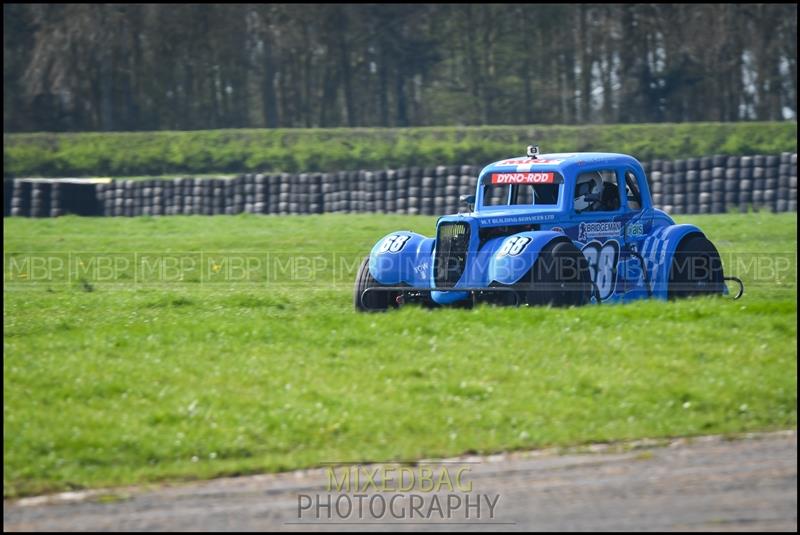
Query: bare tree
x=152 y=66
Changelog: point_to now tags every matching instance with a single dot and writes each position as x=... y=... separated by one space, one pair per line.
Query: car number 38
x=602 y=260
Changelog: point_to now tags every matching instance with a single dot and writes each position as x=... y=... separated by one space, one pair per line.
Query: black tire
x=373 y=301
x=696 y=269
x=560 y=277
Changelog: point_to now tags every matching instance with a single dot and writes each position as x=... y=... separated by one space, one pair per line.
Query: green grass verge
x=111 y=381
x=293 y=150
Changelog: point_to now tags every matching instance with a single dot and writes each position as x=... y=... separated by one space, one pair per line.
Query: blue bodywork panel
x=409 y=264
x=504 y=241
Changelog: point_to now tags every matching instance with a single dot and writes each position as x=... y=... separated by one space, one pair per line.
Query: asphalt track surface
x=703 y=483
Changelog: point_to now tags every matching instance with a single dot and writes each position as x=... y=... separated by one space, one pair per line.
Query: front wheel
x=372 y=301
x=559 y=277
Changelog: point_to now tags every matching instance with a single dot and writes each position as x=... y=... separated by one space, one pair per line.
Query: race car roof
x=561 y=162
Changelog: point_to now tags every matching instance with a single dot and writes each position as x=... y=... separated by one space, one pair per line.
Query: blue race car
x=552 y=229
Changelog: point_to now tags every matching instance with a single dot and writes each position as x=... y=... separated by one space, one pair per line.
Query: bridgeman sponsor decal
x=601 y=229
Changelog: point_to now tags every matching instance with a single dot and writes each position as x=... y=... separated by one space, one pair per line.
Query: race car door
x=600 y=216
x=637 y=227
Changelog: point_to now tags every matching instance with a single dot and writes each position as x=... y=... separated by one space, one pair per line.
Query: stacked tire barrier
x=716 y=184
x=712 y=184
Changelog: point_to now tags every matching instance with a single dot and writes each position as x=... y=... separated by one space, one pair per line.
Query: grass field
x=150 y=349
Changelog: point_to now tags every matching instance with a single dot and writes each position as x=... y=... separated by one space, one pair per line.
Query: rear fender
x=658 y=250
x=402 y=257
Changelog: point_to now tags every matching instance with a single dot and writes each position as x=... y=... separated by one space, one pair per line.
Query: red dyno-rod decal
x=523 y=178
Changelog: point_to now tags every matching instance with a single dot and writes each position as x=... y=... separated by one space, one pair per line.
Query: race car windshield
x=521 y=194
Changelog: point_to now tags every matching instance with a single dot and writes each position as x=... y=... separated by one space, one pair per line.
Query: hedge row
x=713 y=184
x=127 y=154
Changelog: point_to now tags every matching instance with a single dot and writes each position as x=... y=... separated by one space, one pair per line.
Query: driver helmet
x=588 y=190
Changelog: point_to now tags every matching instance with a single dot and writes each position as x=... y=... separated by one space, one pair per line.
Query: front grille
x=452 y=242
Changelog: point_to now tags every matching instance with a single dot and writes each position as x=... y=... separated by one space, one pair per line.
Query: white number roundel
x=393 y=243
x=513 y=246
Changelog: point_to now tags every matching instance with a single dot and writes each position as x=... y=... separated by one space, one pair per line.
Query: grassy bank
x=244 y=355
x=292 y=150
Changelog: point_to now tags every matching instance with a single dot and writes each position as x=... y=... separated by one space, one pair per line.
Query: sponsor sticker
x=523 y=178
x=634 y=229
x=523 y=161
x=518 y=220
x=600 y=229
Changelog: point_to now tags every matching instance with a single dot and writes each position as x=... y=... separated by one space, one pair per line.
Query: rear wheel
x=371 y=301
x=696 y=269
x=559 y=277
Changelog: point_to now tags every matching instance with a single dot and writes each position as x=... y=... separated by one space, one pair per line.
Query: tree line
x=119 y=67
